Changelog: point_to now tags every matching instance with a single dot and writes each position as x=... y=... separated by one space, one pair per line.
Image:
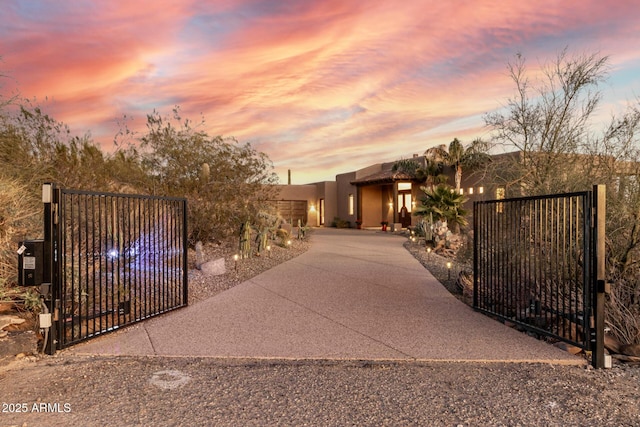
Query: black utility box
x=30 y=262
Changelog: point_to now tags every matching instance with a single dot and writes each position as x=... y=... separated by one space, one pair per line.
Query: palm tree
x=443 y=202
x=457 y=156
x=431 y=173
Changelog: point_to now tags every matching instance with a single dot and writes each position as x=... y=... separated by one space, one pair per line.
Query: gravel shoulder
x=107 y=391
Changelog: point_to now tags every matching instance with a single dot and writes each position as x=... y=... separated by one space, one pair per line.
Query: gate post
x=49 y=288
x=599 y=278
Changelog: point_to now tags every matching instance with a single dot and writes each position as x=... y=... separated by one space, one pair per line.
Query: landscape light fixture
x=449 y=265
x=288 y=243
x=269 y=251
x=235 y=261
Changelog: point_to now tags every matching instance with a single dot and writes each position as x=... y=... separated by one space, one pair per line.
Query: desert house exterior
x=366 y=197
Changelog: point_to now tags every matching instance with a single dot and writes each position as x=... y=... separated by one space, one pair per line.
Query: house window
x=351 y=205
x=499 y=196
x=470 y=190
x=404 y=186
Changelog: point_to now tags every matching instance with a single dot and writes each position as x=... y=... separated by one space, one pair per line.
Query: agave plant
x=444 y=202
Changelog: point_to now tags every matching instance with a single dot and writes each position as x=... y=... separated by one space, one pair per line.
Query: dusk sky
x=322 y=87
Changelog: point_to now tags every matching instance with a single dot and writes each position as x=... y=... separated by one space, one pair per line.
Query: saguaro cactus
x=245 y=240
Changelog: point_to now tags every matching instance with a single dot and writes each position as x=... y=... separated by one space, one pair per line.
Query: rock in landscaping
x=631 y=350
x=10 y=320
x=215 y=267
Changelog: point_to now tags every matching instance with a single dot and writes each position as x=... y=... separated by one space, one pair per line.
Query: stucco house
x=369 y=195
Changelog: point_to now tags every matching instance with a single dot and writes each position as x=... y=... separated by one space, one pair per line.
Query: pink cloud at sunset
x=322 y=87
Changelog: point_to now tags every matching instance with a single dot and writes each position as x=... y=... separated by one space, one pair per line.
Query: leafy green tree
x=458 y=156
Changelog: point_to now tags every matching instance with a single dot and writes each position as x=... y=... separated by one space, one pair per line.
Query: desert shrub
x=340 y=223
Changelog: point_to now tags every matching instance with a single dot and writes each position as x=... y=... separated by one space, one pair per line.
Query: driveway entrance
x=356 y=294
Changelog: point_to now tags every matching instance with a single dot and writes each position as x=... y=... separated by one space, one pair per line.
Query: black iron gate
x=112 y=260
x=539 y=262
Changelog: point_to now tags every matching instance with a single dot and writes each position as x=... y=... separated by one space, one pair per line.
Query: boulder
x=214 y=267
x=10 y=320
x=199 y=255
x=630 y=350
x=612 y=344
x=568 y=347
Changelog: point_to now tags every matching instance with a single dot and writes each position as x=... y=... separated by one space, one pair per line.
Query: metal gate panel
x=116 y=260
x=534 y=264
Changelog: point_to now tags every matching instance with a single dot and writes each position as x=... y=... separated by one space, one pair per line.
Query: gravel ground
x=202 y=286
x=179 y=392
x=67 y=390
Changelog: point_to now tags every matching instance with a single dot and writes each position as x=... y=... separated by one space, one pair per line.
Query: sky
x=321 y=86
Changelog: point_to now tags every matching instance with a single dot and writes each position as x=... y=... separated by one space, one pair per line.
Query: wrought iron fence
x=534 y=264
x=117 y=259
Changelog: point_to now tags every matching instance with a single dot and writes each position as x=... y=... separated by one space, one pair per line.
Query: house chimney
x=288 y=176
x=415 y=156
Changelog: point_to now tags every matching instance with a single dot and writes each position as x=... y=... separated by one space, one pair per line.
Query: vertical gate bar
x=68 y=235
x=134 y=264
x=154 y=242
x=491 y=297
x=140 y=259
x=162 y=241
x=573 y=308
x=100 y=254
x=599 y=280
x=164 y=244
x=547 y=258
x=110 y=253
x=576 y=273
x=514 y=286
x=566 y=282
x=50 y=265
x=176 y=278
x=185 y=273
x=147 y=259
x=476 y=242
x=517 y=225
x=487 y=286
x=587 y=223
x=555 y=247
x=83 y=250
x=173 y=253
x=500 y=282
x=97 y=323
x=119 y=271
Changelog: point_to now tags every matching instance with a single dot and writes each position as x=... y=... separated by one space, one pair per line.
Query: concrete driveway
x=356 y=295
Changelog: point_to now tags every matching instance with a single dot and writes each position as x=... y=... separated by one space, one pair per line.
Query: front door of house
x=404 y=208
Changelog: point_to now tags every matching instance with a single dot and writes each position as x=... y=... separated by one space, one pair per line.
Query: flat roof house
x=369 y=195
